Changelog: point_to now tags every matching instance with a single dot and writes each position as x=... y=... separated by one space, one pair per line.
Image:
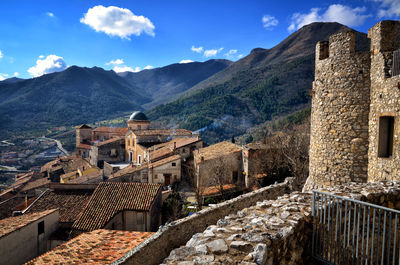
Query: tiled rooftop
x=216 y=150
x=111 y=140
x=96 y=247
x=110 y=198
x=69 y=202
x=84 y=146
x=164 y=149
x=163 y=132
x=117 y=130
x=11 y=224
x=38 y=183
x=165 y=161
x=213 y=190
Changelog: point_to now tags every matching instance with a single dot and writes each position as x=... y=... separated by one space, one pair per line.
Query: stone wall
x=177 y=233
x=273 y=232
x=339 y=116
x=385 y=99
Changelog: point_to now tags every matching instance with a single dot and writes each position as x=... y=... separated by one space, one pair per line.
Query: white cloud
x=1 y=54
x=16 y=74
x=240 y=56
x=120 y=69
x=186 y=61
x=231 y=52
x=41 y=56
x=117 y=61
x=3 y=76
x=389 y=8
x=198 y=49
x=148 y=67
x=50 y=64
x=335 y=13
x=116 y=21
x=50 y=14
x=212 y=52
x=269 y=21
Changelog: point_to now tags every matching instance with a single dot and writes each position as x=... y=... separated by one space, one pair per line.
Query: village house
x=166 y=171
x=121 y=206
x=26 y=236
x=90 y=175
x=111 y=151
x=96 y=247
x=62 y=165
x=218 y=164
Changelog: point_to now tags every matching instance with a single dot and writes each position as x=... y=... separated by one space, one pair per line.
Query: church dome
x=138 y=116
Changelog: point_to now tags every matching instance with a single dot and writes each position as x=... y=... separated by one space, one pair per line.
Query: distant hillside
x=161 y=84
x=265 y=84
x=73 y=96
x=86 y=95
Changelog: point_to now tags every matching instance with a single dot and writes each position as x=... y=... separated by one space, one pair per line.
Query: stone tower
x=339 y=116
x=83 y=134
x=384 y=126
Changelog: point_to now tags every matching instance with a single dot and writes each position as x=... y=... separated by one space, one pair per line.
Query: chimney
x=174 y=146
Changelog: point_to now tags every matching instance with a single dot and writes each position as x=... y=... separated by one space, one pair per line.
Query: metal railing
x=347 y=231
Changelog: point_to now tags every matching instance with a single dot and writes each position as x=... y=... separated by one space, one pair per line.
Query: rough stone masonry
x=355 y=109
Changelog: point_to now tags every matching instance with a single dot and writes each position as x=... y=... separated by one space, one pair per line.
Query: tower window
x=386 y=129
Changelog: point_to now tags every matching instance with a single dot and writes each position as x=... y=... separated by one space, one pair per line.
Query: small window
x=183 y=150
x=385 y=144
x=40 y=227
x=139 y=159
x=174 y=164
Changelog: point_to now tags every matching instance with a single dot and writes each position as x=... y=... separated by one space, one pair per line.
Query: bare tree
x=285 y=154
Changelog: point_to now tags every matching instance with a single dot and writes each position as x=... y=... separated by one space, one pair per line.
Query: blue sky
x=39 y=37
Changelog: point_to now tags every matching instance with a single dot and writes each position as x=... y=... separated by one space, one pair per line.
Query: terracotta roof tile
x=110 y=198
x=12 y=224
x=117 y=130
x=111 y=140
x=84 y=146
x=164 y=149
x=42 y=182
x=216 y=150
x=96 y=247
x=163 y=132
x=165 y=160
x=212 y=190
x=70 y=203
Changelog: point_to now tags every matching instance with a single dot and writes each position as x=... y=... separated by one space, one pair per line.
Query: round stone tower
x=339 y=115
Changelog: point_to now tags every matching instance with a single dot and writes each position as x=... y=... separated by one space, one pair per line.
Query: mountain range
x=220 y=98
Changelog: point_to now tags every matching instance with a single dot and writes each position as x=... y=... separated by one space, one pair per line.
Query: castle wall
x=339 y=116
x=385 y=100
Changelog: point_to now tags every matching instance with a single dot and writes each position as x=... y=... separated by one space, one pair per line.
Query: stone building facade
x=355 y=109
